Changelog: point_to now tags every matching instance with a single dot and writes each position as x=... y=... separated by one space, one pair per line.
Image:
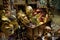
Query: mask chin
x=48 y=34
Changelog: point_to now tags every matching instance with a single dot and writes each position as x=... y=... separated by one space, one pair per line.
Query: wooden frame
x=32 y=1
x=19 y=1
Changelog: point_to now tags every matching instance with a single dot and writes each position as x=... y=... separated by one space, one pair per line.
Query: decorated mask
x=22 y=17
x=29 y=11
x=7 y=28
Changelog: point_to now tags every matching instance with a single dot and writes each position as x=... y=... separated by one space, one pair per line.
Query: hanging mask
x=7 y=28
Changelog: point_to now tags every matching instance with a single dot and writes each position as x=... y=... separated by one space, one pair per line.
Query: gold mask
x=7 y=28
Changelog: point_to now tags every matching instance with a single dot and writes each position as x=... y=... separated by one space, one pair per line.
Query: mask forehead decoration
x=7 y=28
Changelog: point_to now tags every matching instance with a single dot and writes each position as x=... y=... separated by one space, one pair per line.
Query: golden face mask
x=22 y=17
x=29 y=10
x=7 y=28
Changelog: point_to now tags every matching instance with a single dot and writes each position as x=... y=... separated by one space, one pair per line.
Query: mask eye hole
x=10 y=30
